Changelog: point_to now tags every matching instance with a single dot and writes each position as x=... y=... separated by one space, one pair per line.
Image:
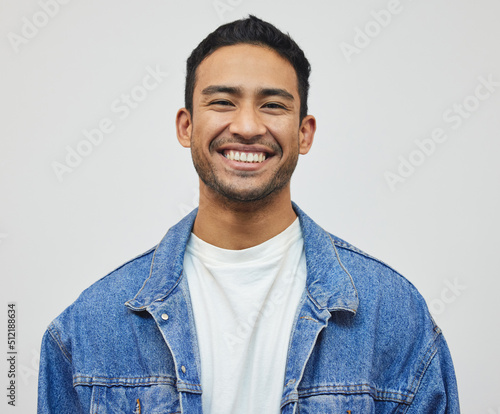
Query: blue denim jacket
x=363 y=340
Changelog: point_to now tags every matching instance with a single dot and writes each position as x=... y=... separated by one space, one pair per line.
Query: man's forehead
x=244 y=64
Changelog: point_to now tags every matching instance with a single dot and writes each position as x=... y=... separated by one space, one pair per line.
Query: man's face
x=245 y=132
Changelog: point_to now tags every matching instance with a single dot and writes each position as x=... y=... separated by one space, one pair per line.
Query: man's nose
x=247 y=123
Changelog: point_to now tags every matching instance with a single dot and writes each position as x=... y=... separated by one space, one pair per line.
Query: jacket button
x=164 y=316
x=183 y=369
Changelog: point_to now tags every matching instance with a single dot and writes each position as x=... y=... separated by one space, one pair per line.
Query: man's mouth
x=245 y=156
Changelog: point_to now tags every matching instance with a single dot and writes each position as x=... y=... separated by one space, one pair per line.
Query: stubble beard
x=230 y=192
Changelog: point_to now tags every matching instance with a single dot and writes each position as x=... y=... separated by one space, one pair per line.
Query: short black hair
x=254 y=31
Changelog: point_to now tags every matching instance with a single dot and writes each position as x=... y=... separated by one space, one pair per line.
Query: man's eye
x=223 y=103
x=274 y=105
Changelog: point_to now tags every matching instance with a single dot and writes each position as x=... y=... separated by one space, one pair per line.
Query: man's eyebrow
x=265 y=92
x=213 y=89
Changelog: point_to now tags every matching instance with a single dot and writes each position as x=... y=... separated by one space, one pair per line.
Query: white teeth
x=245 y=156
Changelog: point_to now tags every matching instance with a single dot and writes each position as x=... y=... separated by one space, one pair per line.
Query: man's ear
x=306 y=134
x=184 y=126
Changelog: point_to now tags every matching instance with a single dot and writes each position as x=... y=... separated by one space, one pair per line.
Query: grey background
x=438 y=228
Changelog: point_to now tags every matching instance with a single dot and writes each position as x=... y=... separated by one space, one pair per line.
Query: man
x=247 y=305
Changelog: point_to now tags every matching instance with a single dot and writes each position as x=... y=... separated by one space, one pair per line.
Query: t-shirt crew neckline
x=271 y=248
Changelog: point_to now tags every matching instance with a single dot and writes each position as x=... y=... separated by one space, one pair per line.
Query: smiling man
x=245 y=131
x=247 y=305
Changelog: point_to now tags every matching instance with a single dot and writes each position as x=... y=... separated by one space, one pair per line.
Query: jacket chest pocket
x=346 y=404
x=153 y=399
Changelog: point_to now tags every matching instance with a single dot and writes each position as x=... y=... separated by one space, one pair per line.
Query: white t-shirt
x=244 y=304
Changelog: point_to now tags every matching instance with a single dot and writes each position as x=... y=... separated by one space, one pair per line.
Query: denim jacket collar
x=329 y=284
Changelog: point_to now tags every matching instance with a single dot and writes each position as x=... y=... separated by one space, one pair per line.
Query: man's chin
x=248 y=196
x=231 y=194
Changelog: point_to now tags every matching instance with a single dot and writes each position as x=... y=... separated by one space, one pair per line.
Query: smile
x=243 y=156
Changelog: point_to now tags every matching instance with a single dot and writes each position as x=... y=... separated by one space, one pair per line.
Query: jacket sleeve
x=56 y=393
x=437 y=392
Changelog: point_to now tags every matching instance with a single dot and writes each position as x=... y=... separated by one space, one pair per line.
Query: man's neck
x=240 y=225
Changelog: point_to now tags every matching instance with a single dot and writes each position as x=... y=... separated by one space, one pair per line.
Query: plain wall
x=383 y=85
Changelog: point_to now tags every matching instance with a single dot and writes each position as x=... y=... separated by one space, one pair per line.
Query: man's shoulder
x=365 y=279
x=349 y=250
x=99 y=324
x=122 y=282
x=388 y=300
x=385 y=295
x=365 y=268
x=108 y=295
